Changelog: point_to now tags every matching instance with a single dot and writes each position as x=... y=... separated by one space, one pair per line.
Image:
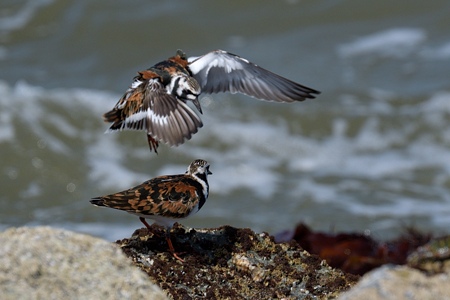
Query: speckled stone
x=48 y=263
x=433 y=257
x=400 y=283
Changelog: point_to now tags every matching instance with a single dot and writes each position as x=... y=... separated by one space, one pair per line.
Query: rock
x=47 y=263
x=232 y=263
x=221 y=263
x=433 y=257
x=399 y=282
x=357 y=253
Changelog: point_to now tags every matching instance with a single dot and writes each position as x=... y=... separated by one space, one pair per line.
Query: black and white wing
x=148 y=106
x=220 y=71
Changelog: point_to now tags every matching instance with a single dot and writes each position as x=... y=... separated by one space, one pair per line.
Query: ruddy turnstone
x=156 y=100
x=165 y=199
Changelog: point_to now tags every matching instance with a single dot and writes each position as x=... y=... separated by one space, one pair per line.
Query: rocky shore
x=232 y=263
x=221 y=263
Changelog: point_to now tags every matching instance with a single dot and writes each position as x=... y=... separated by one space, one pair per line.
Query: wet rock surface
x=232 y=263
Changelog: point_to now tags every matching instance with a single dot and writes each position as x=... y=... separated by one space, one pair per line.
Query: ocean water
x=370 y=154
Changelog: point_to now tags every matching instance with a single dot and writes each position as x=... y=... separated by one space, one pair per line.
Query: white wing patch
x=228 y=65
x=136 y=83
x=158 y=119
x=143 y=115
x=136 y=117
x=219 y=59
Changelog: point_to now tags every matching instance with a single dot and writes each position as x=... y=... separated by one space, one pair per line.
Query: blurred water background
x=370 y=154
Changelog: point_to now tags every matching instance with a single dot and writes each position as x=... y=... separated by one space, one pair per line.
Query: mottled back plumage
x=165 y=199
x=168 y=197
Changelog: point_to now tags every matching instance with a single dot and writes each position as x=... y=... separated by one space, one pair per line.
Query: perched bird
x=156 y=100
x=165 y=199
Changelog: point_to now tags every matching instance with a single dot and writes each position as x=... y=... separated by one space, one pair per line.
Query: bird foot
x=152 y=144
x=172 y=250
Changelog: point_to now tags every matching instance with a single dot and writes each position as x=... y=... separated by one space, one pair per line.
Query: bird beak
x=197 y=105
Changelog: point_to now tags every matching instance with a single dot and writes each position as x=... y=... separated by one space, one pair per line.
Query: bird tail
x=97 y=201
x=114 y=116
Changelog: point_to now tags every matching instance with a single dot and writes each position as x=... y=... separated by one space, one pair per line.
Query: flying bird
x=157 y=99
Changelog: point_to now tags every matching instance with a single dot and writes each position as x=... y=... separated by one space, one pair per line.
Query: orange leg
x=171 y=249
x=152 y=143
x=145 y=223
x=169 y=241
x=150 y=230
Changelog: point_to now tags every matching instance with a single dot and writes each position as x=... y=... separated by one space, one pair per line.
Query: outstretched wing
x=147 y=106
x=220 y=71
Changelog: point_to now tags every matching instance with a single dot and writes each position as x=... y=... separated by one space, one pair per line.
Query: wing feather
x=147 y=106
x=220 y=71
